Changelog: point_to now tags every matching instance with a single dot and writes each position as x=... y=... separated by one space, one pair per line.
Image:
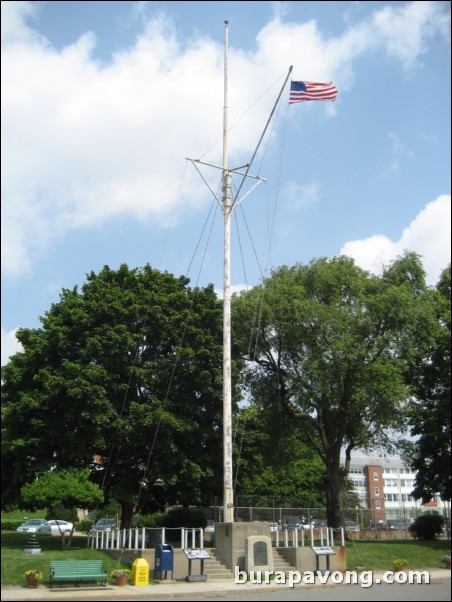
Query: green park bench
x=77 y=570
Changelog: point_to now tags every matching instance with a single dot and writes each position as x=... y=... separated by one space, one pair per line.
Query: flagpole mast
x=228 y=204
x=228 y=499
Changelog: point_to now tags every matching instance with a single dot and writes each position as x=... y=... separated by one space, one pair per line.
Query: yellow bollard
x=140 y=572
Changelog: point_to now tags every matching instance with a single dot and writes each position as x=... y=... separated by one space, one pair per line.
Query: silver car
x=351 y=526
x=34 y=525
x=105 y=524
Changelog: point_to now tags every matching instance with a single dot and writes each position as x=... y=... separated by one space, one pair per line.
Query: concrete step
x=280 y=563
x=216 y=570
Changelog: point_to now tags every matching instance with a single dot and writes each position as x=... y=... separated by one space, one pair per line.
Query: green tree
x=332 y=344
x=273 y=467
x=68 y=489
x=430 y=412
x=123 y=377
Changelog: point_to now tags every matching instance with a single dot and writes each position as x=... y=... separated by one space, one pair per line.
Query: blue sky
x=103 y=101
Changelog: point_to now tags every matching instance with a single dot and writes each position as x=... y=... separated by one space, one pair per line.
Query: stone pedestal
x=231 y=541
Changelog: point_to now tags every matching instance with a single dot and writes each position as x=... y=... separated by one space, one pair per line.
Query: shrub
x=149 y=520
x=427 y=526
x=184 y=517
x=11 y=525
x=84 y=525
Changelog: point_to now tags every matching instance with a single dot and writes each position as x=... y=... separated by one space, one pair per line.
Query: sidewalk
x=174 y=589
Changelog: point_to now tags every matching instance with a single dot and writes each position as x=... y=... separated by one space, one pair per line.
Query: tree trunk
x=126 y=515
x=333 y=492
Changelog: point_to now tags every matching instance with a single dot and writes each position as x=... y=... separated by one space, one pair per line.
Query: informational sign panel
x=323 y=550
x=196 y=554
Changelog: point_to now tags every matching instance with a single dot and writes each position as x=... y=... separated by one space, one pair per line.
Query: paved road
x=399 y=593
x=439 y=589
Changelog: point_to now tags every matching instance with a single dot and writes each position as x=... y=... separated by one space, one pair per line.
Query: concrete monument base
x=231 y=541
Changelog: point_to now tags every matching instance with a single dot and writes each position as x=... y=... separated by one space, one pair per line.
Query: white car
x=60 y=526
x=274 y=527
x=34 y=525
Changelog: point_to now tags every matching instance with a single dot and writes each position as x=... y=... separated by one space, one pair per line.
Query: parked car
x=60 y=526
x=274 y=527
x=376 y=524
x=292 y=522
x=306 y=525
x=104 y=524
x=34 y=525
x=351 y=526
x=210 y=527
x=320 y=523
x=398 y=524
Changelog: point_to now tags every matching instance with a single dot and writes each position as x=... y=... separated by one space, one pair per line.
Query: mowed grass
x=15 y=562
x=377 y=556
x=23 y=515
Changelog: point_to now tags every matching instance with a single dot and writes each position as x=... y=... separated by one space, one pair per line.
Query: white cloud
x=10 y=345
x=405 y=29
x=235 y=288
x=85 y=142
x=297 y=196
x=429 y=235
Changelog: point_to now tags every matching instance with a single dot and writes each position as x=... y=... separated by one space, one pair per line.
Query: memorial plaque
x=260 y=553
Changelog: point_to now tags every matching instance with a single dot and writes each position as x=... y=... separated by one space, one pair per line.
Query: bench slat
x=77 y=570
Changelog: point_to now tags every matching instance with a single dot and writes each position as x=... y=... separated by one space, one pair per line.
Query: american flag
x=303 y=91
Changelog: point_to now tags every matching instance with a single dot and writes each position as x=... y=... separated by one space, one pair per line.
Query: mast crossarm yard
x=228 y=204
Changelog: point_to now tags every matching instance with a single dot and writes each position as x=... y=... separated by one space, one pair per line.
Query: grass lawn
x=15 y=561
x=377 y=556
x=23 y=515
x=366 y=555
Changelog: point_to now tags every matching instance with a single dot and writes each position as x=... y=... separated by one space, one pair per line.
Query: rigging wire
x=237 y=121
x=142 y=334
x=107 y=464
x=170 y=384
x=259 y=308
x=109 y=460
x=272 y=220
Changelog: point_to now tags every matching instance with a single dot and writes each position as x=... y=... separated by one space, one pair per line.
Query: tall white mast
x=228 y=497
x=228 y=205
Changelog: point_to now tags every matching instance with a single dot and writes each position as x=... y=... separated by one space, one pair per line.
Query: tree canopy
x=124 y=377
x=62 y=489
x=333 y=345
x=430 y=411
x=273 y=467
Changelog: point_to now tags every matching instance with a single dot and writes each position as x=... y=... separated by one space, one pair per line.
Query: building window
x=391 y=482
x=375 y=476
x=376 y=491
x=377 y=504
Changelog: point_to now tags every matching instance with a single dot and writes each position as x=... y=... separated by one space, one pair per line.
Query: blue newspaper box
x=164 y=560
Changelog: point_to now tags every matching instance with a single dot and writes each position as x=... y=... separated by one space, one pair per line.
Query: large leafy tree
x=430 y=416
x=123 y=377
x=273 y=467
x=332 y=344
